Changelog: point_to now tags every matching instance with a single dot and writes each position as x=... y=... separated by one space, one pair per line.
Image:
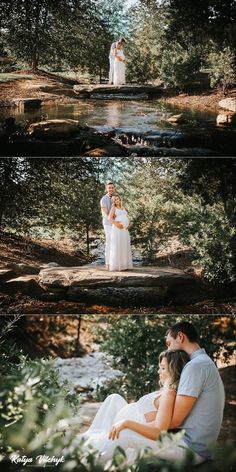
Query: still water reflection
x=142 y=115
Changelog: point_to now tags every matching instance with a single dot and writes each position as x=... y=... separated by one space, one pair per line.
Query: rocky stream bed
x=114 y=121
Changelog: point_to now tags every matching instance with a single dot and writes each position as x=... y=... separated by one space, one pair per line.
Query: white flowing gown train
x=119 y=69
x=114 y=409
x=120 y=257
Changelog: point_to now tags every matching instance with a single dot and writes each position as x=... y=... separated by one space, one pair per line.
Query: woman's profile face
x=163 y=371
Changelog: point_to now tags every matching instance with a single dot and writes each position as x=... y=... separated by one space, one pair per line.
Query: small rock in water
x=52 y=264
x=53 y=128
x=226 y=118
x=176 y=118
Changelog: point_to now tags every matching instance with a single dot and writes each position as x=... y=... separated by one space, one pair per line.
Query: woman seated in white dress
x=119 y=64
x=120 y=257
x=136 y=426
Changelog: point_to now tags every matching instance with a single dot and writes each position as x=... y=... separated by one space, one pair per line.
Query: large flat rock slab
x=97 y=277
x=93 y=91
x=141 y=286
x=91 y=285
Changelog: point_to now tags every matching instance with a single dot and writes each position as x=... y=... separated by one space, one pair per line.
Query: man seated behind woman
x=191 y=398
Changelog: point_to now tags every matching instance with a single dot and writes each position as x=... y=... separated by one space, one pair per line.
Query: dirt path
x=207 y=101
x=47 y=87
x=33 y=251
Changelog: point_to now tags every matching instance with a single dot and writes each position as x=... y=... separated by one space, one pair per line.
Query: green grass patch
x=9 y=76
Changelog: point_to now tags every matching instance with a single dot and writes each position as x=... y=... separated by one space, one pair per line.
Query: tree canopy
x=76 y=35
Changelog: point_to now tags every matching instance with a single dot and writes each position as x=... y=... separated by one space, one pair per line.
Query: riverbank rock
x=228 y=104
x=97 y=277
x=139 y=286
x=26 y=284
x=23 y=269
x=111 y=150
x=53 y=128
x=226 y=119
x=27 y=103
x=87 y=413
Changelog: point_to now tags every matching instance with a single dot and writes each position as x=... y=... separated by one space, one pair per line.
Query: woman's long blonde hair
x=176 y=361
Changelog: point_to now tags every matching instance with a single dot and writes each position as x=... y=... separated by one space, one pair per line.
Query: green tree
x=135 y=342
x=196 y=23
x=110 y=24
x=52 y=33
x=213 y=180
x=151 y=187
x=81 y=210
x=168 y=205
x=146 y=34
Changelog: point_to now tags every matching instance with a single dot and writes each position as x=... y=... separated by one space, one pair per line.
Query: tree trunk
x=87 y=239
x=100 y=75
x=78 y=334
x=34 y=62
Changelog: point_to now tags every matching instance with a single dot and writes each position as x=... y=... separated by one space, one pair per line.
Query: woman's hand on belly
x=116 y=429
x=150 y=416
x=118 y=224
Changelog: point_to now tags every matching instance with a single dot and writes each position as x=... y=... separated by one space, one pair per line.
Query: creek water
x=142 y=125
x=90 y=371
x=97 y=251
x=142 y=115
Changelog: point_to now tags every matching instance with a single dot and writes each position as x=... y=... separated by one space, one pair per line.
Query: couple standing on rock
x=117 y=63
x=116 y=225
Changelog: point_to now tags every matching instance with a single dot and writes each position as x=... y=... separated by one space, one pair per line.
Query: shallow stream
x=141 y=126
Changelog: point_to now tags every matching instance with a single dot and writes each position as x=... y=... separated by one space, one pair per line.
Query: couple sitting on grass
x=191 y=398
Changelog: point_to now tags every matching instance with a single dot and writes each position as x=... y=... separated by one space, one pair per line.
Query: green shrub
x=222 y=65
x=209 y=233
x=31 y=394
x=140 y=65
x=178 y=66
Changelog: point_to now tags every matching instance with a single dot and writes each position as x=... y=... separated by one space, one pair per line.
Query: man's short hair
x=109 y=182
x=185 y=327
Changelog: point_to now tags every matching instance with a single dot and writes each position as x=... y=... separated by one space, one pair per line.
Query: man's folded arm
x=105 y=212
x=183 y=406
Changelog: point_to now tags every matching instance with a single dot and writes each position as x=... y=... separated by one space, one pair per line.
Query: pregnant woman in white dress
x=136 y=426
x=120 y=257
x=119 y=65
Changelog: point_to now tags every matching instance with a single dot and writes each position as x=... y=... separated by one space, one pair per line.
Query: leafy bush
x=135 y=343
x=209 y=233
x=31 y=394
x=222 y=65
x=140 y=65
x=178 y=65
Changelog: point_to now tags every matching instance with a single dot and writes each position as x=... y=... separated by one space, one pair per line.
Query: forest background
x=167 y=40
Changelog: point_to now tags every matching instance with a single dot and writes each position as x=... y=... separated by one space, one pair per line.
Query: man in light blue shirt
x=106 y=204
x=200 y=397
